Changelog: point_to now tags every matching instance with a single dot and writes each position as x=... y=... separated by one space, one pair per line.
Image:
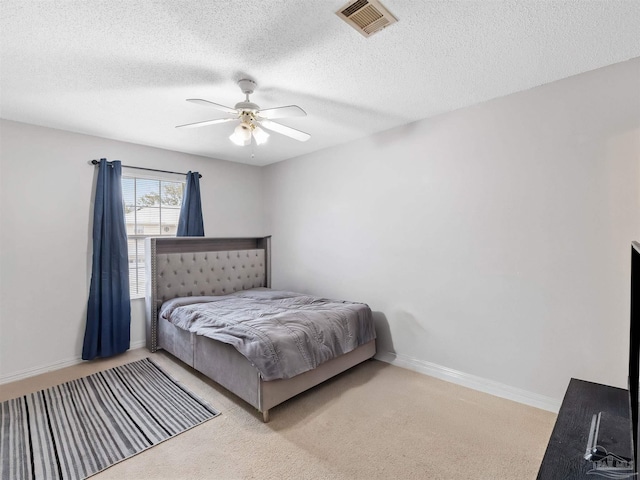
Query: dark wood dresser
x=564 y=458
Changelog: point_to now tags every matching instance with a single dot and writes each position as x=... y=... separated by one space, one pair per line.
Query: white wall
x=46 y=195
x=492 y=242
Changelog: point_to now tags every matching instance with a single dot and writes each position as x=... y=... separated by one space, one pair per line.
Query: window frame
x=137 y=289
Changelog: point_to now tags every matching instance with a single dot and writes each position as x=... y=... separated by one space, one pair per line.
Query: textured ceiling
x=122 y=69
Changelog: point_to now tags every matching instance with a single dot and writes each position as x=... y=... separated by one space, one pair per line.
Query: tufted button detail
x=189 y=269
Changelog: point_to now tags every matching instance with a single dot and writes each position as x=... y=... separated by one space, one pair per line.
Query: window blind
x=152 y=209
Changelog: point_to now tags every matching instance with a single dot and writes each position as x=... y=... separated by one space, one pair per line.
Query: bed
x=179 y=268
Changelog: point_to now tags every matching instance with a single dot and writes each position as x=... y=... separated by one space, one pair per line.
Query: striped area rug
x=77 y=429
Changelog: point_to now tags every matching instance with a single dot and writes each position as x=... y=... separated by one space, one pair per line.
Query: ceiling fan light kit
x=252 y=118
x=260 y=135
x=241 y=135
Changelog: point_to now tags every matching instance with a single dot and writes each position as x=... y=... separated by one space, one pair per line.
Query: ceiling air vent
x=366 y=16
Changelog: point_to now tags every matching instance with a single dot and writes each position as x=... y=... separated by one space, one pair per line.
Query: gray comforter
x=282 y=334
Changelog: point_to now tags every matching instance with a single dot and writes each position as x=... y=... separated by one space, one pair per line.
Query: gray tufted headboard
x=195 y=266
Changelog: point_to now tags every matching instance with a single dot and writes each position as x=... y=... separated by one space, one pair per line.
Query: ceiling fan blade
x=281 y=112
x=217 y=106
x=284 y=130
x=205 y=123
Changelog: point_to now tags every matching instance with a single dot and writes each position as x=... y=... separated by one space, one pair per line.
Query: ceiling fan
x=252 y=118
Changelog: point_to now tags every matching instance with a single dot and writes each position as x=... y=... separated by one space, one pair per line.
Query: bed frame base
x=223 y=364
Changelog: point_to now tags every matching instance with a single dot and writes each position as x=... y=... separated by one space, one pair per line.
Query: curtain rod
x=97 y=162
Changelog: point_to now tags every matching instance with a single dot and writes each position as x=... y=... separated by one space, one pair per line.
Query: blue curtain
x=109 y=309
x=190 y=223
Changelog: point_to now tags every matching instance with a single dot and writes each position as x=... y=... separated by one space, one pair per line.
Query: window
x=152 y=209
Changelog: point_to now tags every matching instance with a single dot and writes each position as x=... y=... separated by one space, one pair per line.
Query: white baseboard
x=471 y=381
x=33 y=371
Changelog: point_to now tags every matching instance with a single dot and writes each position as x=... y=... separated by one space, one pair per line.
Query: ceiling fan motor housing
x=247 y=107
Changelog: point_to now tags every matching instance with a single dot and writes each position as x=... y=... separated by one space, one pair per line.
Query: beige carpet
x=374 y=421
